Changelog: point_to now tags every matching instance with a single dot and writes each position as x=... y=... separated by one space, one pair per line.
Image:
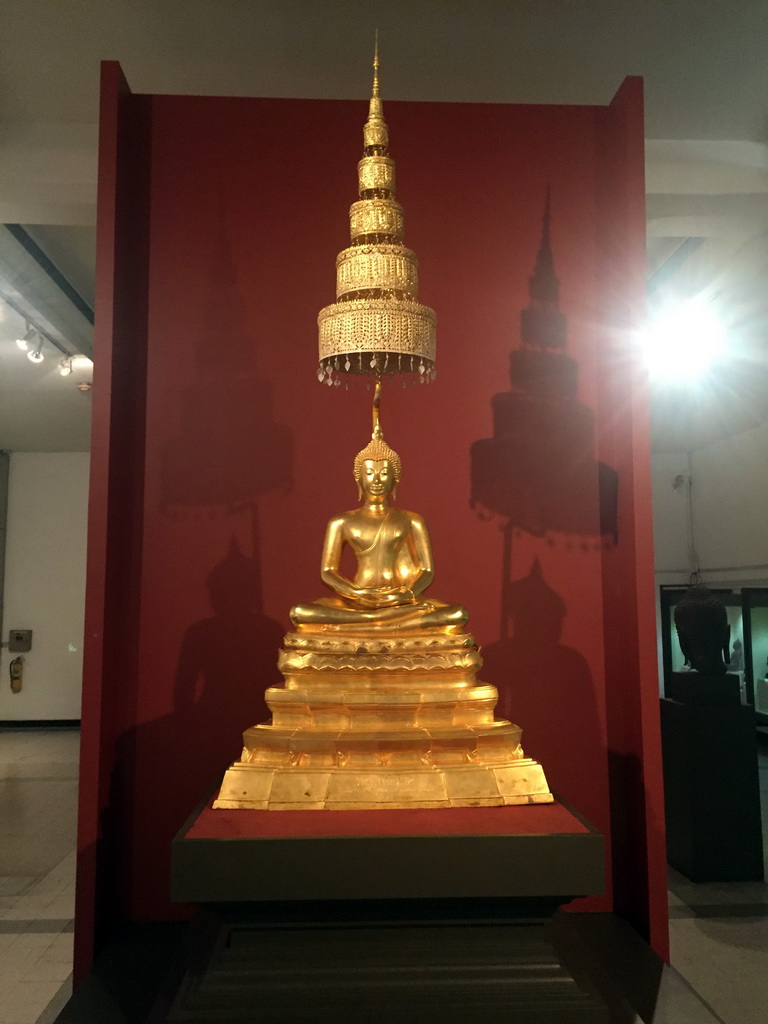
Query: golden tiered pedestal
x=369 y=721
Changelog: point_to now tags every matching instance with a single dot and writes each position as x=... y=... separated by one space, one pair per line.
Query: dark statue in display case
x=736 y=663
x=702 y=628
x=711 y=792
x=701 y=621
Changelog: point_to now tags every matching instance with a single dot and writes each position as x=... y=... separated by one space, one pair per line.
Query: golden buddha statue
x=380 y=706
x=394 y=559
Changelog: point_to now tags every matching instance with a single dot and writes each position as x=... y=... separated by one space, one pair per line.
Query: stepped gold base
x=353 y=789
x=364 y=722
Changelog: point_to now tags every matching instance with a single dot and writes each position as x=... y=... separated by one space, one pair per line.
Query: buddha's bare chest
x=380 y=534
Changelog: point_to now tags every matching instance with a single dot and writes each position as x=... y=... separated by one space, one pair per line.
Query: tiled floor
x=38 y=797
x=719 y=933
x=719 y=937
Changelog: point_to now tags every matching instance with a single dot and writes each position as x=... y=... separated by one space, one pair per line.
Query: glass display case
x=755 y=604
x=747 y=611
x=672 y=656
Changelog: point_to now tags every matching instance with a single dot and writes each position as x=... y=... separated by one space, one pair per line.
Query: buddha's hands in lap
x=383 y=597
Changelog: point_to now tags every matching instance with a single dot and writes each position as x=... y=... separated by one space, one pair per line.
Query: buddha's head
x=702 y=628
x=377 y=470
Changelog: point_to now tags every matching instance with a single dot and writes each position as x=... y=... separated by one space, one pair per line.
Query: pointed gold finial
x=375 y=91
x=375 y=109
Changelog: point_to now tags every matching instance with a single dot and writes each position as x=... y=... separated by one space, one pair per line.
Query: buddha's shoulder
x=414 y=517
x=342 y=519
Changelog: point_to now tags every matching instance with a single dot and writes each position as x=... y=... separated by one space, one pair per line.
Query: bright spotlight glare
x=682 y=343
x=23 y=343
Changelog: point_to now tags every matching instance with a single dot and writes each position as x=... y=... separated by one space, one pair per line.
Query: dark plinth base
x=416 y=916
x=695 y=688
x=137 y=975
x=711 y=791
x=379 y=969
x=457 y=853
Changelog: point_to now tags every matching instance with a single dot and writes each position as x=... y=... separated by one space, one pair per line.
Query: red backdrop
x=218 y=457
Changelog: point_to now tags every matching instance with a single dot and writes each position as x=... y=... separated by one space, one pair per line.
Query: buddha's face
x=377 y=479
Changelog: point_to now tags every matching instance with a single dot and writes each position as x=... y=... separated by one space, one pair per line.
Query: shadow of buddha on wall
x=539 y=679
x=221 y=456
x=227 y=451
x=227 y=454
x=228 y=660
x=538 y=472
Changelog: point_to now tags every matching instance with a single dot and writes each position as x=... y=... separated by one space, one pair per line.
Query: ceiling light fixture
x=36 y=354
x=23 y=343
x=65 y=366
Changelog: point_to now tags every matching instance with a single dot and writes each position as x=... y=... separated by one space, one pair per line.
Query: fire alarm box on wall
x=20 y=641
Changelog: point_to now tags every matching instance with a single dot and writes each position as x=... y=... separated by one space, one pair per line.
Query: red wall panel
x=115 y=513
x=633 y=733
x=246 y=455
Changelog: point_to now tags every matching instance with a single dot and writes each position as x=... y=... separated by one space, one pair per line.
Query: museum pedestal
x=413 y=915
x=711 y=786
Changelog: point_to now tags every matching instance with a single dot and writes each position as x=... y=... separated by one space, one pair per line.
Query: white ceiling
x=704 y=64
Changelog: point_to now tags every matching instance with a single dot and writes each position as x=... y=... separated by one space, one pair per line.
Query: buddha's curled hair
x=377 y=450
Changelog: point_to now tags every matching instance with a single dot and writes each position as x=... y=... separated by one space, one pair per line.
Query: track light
x=65 y=366
x=36 y=353
x=681 y=343
x=23 y=343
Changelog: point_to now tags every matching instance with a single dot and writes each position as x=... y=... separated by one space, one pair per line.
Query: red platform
x=530 y=820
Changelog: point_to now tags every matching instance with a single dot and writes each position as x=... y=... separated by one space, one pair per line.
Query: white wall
x=730 y=514
x=730 y=511
x=671 y=533
x=670 y=514
x=730 y=507
x=45 y=582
